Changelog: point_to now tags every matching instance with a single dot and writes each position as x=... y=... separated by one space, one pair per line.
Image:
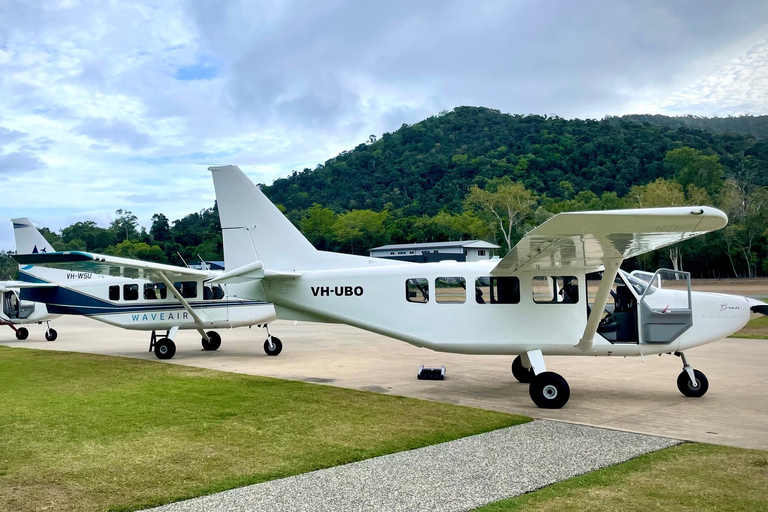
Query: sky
x=124 y=104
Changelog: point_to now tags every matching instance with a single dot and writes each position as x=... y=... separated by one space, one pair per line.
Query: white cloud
x=124 y=104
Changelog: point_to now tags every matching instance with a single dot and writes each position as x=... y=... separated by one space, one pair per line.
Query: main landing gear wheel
x=549 y=390
x=520 y=372
x=22 y=333
x=213 y=342
x=273 y=346
x=51 y=334
x=165 y=348
x=692 y=389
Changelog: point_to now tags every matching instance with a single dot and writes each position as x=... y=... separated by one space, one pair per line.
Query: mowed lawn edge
x=92 y=432
x=687 y=477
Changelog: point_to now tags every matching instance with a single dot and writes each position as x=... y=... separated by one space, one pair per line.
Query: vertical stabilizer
x=28 y=238
x=253 y=229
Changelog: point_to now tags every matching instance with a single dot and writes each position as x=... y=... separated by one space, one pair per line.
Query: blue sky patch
x=196 y=72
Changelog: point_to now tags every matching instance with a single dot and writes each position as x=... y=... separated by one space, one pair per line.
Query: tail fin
x=28 y=238
x=253 y=229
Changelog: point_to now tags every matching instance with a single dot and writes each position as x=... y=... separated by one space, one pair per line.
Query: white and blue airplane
x=137 y=295
x=530 y=304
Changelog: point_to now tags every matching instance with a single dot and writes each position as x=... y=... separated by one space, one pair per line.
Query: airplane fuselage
x=142 y=304
x=448 y=307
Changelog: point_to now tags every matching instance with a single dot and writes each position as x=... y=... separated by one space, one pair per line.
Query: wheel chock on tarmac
x=431 y=373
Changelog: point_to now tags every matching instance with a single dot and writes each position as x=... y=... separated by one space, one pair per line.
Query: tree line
x=475 y=173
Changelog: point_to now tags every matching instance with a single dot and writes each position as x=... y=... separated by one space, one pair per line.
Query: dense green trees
x=475 y=173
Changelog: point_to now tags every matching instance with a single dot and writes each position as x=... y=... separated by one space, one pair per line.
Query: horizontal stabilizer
x=583 y=241
x=243 y=274
x=18 y=285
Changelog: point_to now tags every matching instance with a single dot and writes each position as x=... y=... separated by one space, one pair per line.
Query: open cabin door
x=646 y=308
x=14 y=308
x=665 y=307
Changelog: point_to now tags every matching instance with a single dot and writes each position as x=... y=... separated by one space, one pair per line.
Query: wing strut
x=601 y=298
x=198 y=321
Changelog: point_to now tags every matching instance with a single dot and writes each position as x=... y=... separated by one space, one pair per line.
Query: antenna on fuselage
x=203 y=263
x=182 y=259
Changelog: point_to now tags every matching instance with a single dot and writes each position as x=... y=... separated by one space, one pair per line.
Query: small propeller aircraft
x=532 y=303
x=15 y=312
x=137 y=295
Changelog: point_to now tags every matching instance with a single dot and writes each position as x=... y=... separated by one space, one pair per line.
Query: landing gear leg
x=273 y=346
x=548 y=390
x=50 y=333
x=692 y=383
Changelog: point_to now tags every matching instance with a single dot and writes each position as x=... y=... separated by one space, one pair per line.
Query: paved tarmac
x=625 y=394
x=455 y=476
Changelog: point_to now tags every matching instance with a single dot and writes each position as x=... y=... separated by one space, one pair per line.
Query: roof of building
x=474 y=244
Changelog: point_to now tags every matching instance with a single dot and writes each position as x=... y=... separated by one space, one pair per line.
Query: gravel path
x=458 y=475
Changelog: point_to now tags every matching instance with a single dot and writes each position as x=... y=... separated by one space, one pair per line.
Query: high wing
x=109 y=265
x=584 y=241
x=17 y=285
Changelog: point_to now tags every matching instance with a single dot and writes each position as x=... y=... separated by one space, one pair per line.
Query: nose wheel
x=692 y=383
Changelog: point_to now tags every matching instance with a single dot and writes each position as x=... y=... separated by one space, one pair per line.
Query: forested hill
x=429 y=166
x=745 y=125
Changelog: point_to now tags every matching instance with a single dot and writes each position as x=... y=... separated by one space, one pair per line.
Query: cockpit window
x=639 y=285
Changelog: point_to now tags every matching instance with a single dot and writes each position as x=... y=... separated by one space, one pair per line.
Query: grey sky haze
x=107 y=105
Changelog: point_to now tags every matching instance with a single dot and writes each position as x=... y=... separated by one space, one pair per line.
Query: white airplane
x=532 y=303
x=15 y=311
x=137 y=295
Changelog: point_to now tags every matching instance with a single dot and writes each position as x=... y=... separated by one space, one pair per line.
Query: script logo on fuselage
x=338 y=291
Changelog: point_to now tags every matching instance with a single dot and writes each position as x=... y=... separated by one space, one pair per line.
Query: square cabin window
x=497 y=290
x=555 y=290
x=450 y=290
x=187 y=289
x=114 y=292
x=417 y=290
x=154 y=291
x=130 y=291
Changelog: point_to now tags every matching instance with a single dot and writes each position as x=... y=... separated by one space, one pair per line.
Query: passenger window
x=154 y=291
x=114 y=292
x=130 y=291
x=187 y=289
x=450 y=290
x=497 y=290
x=214 y=292
x=417 y=290
x=555 y=290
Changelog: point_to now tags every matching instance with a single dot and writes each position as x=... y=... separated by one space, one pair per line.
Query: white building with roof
x=463 y=250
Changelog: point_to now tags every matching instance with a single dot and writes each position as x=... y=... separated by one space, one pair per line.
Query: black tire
x=51 y=335
x=277 y=346
x=22 y=333
x=165 y=348
x=549 y=390
x=214 y=341
x=690 y=389
x=520 y=372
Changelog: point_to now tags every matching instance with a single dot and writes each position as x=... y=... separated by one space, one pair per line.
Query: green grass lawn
x=88 y=432
x=685 y=478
